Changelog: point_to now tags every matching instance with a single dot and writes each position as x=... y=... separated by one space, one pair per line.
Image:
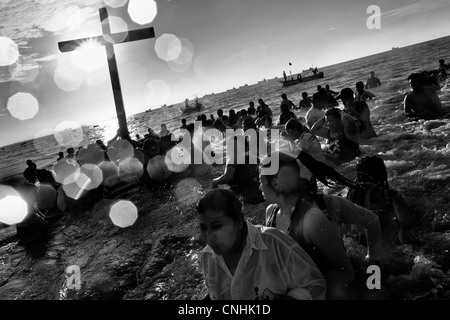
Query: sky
x=200 y=47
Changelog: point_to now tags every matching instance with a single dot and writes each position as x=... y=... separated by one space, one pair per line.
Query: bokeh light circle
x=68 y=134
x=156 y=93
x=142 y=11
x=168 y=47
x=13 y=209
x=115 y=3
x=123 y=213
x=22 y=106
x=9 y=52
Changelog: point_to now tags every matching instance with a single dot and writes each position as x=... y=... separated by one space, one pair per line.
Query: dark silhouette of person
x=60 y=156
x=30 y=172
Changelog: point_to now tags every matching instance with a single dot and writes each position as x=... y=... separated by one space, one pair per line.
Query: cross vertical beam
x=114 y=75
x=108 y=42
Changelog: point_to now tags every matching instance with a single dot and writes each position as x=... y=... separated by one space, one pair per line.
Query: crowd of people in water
x=299 y=253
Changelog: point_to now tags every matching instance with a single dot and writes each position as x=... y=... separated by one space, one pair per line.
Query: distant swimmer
x=361 y=94
x=373 y=81
x=306 y=102
x=287 y=102
x=423 y=102
x=443 y=69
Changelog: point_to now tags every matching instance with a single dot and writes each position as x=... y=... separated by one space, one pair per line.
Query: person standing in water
x=373 y=81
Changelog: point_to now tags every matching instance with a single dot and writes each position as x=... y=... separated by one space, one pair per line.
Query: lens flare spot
x=9 y=52
x=13 y=209
x=130 y=169
x=188 y=191
x=168 y=47
x=156 y=93
x=93 y=154
x=71 y=185
x=68 y=133
x=142 y=11
x=118 y=25
x=63 y=169
x=115 y=3
x=94 y=174
x=157 y=168
x=22 y=106
x=120 y=150
x=178 y=159
x=29 y=72
x=123 y=214
x=110 y=173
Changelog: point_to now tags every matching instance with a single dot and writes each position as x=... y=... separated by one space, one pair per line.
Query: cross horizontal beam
x=121 y=37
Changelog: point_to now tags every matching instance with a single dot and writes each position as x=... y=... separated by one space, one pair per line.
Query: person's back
x=285 y=115
x=313 y=115
x=30 y=172
x=306 y=101
x=423 y=103
x=286 y=102
x=265 y=107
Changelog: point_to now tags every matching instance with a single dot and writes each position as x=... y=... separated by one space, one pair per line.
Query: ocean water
x=392 y=67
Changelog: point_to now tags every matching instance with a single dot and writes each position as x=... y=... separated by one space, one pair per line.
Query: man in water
x=361 y=94
x=287 y=102
x=373 y=81
x=423 y=102
x=359 y=110
x=443 y=69
x=284 y=76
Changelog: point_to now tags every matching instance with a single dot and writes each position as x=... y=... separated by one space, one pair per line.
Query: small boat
x=297 y=80
x=188 y=109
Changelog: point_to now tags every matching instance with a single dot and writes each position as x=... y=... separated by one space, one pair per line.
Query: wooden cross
x=108 y=40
